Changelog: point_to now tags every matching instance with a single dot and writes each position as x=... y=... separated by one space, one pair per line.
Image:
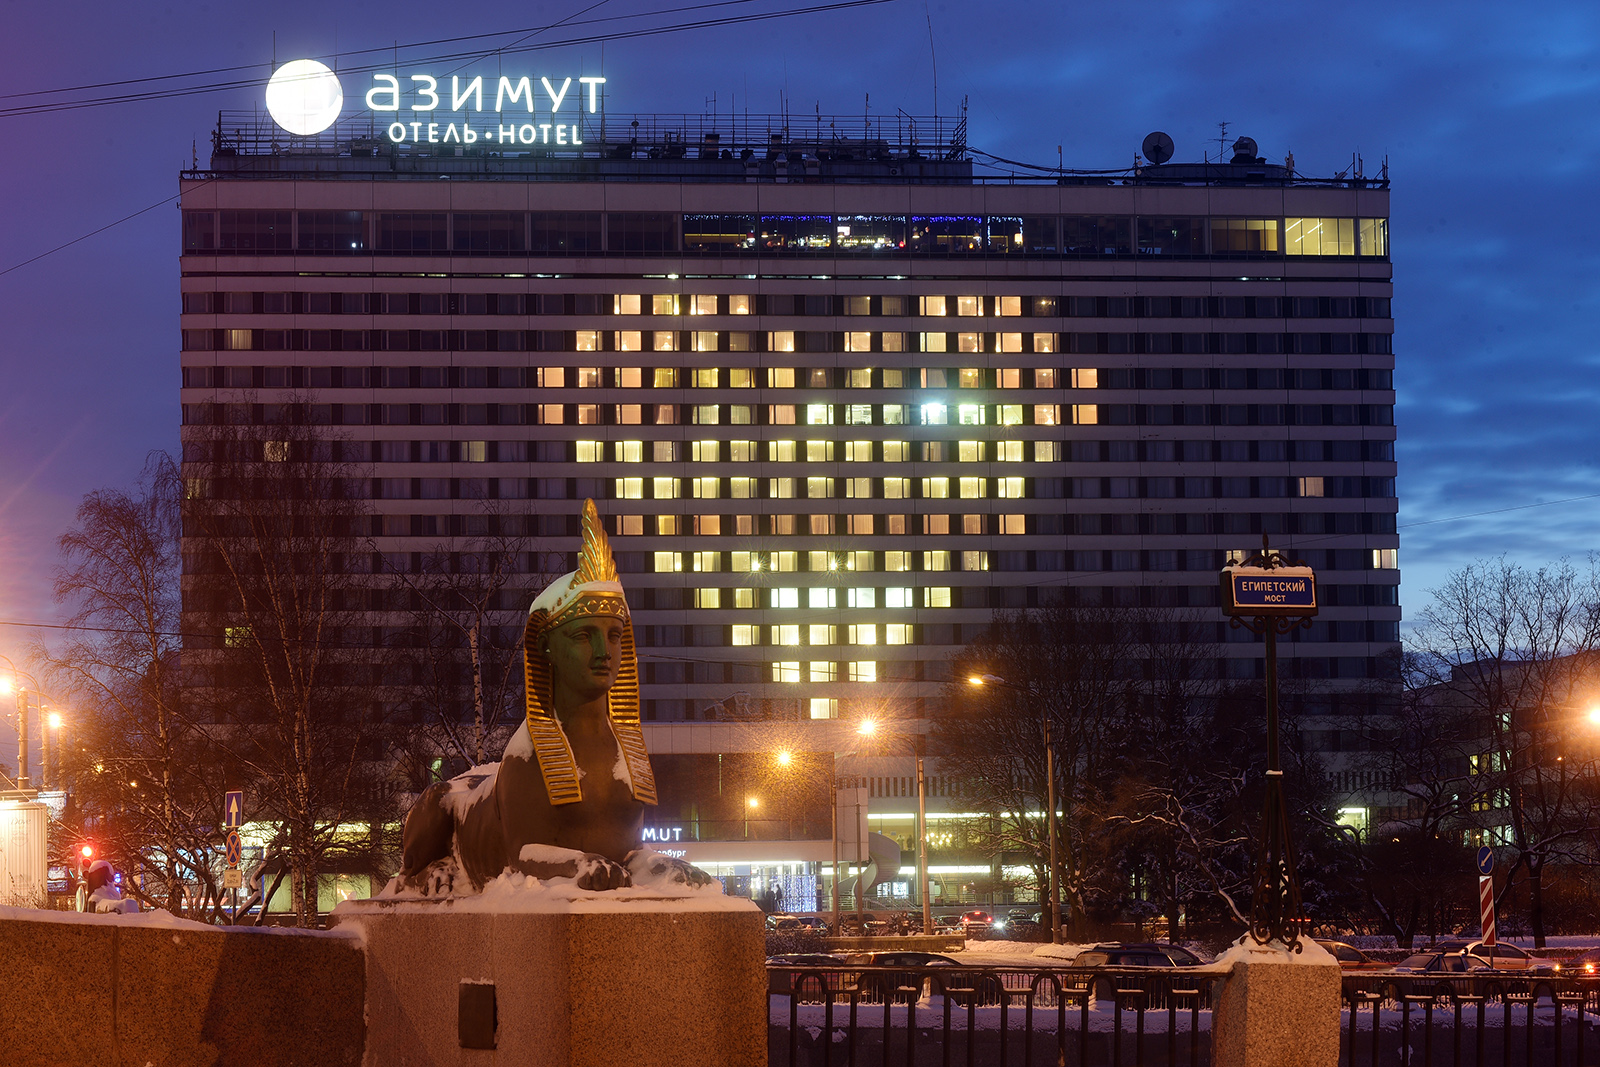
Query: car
x=1435 y=974
x=784 y=924
x=1117 y=955
x=1584 y=964
x=1024 y=929
x=1501 y=957
x=947 y=924
x=785 y=980
x=976 y=924
x=878 y=986
x=1351 y=958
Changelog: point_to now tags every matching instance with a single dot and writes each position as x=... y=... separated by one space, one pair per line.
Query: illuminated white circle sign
x=304 y=97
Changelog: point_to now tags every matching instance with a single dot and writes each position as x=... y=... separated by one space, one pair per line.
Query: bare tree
x=278 y=523
x=147 y=777
x=1513 y=649
x=1060 y=665
x=468 y=603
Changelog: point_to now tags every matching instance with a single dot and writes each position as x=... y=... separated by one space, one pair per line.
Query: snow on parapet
x=513 y=893
x=1247 y=950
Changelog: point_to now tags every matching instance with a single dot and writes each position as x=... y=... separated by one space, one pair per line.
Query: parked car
x=810 y=991
x=783 y=924
x=1117 y=955
x=876 y=987
x=1435 y=974
x=1583 y=964
x=947 y=924
x=976 y=924
x=1351 y=958
x=1504 y=957
x=1024 y=929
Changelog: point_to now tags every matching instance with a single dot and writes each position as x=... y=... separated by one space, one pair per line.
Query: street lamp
x=1052 y=880
x=13 y=684
x=868 y=728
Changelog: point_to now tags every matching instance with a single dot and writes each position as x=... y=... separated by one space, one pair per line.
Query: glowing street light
x=785 y=758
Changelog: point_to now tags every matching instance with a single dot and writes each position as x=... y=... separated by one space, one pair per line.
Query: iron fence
x=867 y=1015
x=1469 y=1020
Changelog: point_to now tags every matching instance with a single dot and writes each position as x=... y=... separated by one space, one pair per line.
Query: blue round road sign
x=1485 y=861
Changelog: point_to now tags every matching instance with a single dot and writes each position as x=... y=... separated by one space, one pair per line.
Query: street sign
x=233 y=878
x=233 y=809
x=235 y=848
x=1268 y=591
x=1485 y=860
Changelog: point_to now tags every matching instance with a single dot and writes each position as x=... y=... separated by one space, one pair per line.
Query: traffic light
x=85 y=857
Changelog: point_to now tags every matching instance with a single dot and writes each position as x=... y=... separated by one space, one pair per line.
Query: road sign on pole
x=232 y=878
x=1485 y=860
x=1486 y=907
x=235 y=848
x=233 y=809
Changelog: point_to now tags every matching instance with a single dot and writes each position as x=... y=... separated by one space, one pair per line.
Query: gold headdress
x=593 y=589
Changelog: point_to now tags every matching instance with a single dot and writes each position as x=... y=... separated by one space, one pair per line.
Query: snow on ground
x=518 y=893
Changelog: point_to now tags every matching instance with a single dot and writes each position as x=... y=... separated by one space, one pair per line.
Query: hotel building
x=839 y=398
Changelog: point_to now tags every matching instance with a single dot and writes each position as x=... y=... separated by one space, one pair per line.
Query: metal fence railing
x=1470 y=1020
x=860 y=1015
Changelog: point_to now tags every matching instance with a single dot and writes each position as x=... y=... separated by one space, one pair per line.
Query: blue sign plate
x=1258 y=591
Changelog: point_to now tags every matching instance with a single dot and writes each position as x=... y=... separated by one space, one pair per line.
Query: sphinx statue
x=567 y=798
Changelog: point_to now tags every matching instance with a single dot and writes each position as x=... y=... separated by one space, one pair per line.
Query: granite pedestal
x=593 y=981
x=1277 y=1008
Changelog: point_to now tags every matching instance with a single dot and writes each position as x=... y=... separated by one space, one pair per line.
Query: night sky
x=1485 y=111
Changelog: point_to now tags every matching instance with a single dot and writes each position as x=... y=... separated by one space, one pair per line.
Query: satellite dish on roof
x=1244 y=150
x=1157 y=147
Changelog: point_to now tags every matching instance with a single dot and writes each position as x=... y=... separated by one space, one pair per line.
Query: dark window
x=565 y=231
x=411 y=232
x=489 y=231
x=199 y=231
x=332 y=232
x=1038 y=234
x=1006 y=234
x=640 y=231
x=1091 y=234
x=254 y=231
x=1171 y=236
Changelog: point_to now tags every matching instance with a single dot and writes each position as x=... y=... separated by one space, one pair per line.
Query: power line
x=620 y=35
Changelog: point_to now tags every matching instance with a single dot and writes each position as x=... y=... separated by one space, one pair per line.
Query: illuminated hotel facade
x=838 y=402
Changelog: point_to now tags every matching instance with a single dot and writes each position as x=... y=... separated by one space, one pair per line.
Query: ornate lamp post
x=1268 y=595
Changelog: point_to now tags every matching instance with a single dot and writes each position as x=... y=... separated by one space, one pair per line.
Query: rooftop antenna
x=934 y=56
x=1222 y=139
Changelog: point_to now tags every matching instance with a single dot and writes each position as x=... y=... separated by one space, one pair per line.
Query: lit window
x=1008 y=451
x=820 y=598
x=896 y=488
x=785 y=561
x=785 y=598
x=664 y=451
x=969 y=451
x=708 y=525
x=667 y=525
x=630 y=451
x=665 y=377
x=741 y=488
x=630 y=341
x=864 y=597
x=708 y=562
x=968 y=306
x=864 y=671
x=1385 y=559
x=591 y=451
x=708 y=598
x=664 y=488
x=663 y=341
x=781 y=341
x=1013 y=524
x=1009 y=306
x=744 y=597
x=1085 y=414
x=1319 y=237
x=860 y=559
x=897 y=597
x=551 y=414
x=971 y=488
x=858 y=451
x=935 y=414
x=897 y=633
x=738 y=305
x=936 y=596
x=935 y=488
x=1010 y=488
x=897 y=561
x=630 y=488
x=973 y=414
x=744 y=634
x=822 y=671
x=707 y=488
x=587 y=341
x=664 y=304
x=627 y=305
x=787 y=634
x=780 y=488
x=630 y=525
x=931 y=342
x=824 y=708
x=819 y=633
x=703 y=341
x=786 y=671
x=1045 y=415
x=974 y=561
x=930 y=305
x=1046 y=451
x=819 y=414
x=1374 y=237
x=668 y=562
x=936 y=560
x=864 y=633
x=972 y=524
x=701 y=304
x=1310 y=486
x=969 y=342
x=896 y=451
x=859 y=378
x=819 y=488
x=781 y=451
x=1044 y=342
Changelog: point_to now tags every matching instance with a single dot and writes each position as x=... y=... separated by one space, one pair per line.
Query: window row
x=1331 y=594
x=792 y=451
x=779 y=341
x=929 y=414
x=821 y=304
x=558 y=233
